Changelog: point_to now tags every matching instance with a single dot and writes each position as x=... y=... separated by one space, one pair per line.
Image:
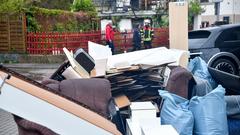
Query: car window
x=231 y=34
x=229 y=38
x=198 y=34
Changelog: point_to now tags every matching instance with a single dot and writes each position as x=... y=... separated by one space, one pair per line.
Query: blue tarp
x=199 y=68
x=209 y=113
x=201 y=88
x=175 y=112
x=234 y=126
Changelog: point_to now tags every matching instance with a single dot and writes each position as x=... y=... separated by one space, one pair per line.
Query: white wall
x=125 y=24
x=104 y=23
x=120 y=3
x=227 y=7
x=236 y=6
x=197 y=22
x=209 y=9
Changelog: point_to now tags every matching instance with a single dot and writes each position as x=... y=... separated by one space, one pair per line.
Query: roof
x=142 y=13
x=227 y=26
x=218 y=28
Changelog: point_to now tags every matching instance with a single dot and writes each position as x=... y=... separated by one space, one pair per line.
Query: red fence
x=52 y=43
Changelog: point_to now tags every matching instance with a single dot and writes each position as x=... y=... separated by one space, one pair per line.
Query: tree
x=162 y=12
x=11 y=6
x=161 y=17
x=194 y=10
x=51 y=4
x=83 y=5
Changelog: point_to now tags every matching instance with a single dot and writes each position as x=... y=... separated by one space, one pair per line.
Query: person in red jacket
x=110 y=36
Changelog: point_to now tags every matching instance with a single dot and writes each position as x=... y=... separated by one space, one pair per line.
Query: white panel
x=31 y=108
x=140 y=110
x=145 y=57
x=103 y=24
x=149 y=127
x=148 y=57
x=98 y=51
x=133 y=128
x=162 y=129
x=125 y=24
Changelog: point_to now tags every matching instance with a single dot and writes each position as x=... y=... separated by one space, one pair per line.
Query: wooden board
x=178 y=28
x=122 y=101
x=30 y=101
x=12 y=33
x=178 y=25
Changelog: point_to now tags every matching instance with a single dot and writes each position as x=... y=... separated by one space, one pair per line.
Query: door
x=229 y=41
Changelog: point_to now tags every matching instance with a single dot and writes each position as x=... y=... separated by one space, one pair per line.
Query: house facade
x=130 y=12
x=114 y=6
x=227 y=11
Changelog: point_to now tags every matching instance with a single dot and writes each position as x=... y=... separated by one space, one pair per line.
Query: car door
x=229 y=41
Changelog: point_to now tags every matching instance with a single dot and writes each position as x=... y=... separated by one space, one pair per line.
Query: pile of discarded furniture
x=144 y=92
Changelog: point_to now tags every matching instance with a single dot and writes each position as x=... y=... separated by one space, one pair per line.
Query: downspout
x=234 y=12
x=217 y=5
x=145 y=4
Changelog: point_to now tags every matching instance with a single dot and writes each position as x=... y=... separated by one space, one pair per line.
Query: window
x=217 y=8
x=199 y=34
x=232 y=34
x=226 y=19
x=204 y=1
x=229 y=38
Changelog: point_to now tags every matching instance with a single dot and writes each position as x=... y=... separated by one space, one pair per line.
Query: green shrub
x=11 y=6
x=40 y=18
x=83 y=5
x=193 y=10
x=32 y=24
x=59 y=27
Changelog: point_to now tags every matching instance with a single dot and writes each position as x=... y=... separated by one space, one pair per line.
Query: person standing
x=136 y=38
x=147 y=36
x=110 y=36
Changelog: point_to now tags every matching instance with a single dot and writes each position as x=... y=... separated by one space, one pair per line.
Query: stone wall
x=24 y=58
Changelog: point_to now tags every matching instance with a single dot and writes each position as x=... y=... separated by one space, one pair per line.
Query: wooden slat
x=3 y=40
x=4 y=49
x=3 y=36
x=3 y=46
x=16 y=44
x=12 y=33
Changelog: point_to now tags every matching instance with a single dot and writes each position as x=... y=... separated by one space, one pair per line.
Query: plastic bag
x=201 y=88
x=233 y=106
x=175 y=112
x=199 y=68
x=233 y=126
x=209 y=113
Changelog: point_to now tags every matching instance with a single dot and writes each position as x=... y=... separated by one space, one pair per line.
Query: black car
x=219 y=46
